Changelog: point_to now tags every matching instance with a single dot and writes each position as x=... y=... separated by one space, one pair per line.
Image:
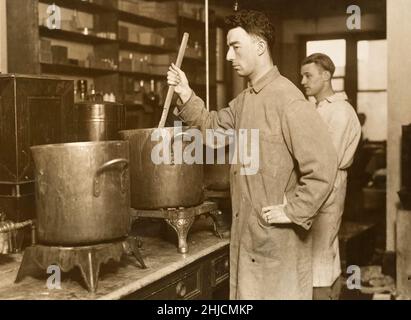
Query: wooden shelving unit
x=106 y=17
x=85 y=6
x=74 y=70
x=135 y=46
x=141 y=75
x=73 y=36
x=143 y=20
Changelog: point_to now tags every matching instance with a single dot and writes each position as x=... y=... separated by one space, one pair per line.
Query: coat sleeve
x=309 y=142
x=194 y=113
x=345 y=133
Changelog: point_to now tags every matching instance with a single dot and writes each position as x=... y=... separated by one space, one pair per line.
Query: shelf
x=191 y=22
x=142 y=20
x=73 y=70
x=79 y=5
x=194 y=60
x=142 y=75
x=73 y=36
x=134 y=46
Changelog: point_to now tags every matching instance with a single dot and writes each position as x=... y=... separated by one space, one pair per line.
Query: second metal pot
x=156 y=186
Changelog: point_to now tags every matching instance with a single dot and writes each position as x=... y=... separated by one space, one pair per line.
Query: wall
x=399 y=101
x=3 y=37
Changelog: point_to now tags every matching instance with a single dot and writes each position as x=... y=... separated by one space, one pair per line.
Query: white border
x=3 y=37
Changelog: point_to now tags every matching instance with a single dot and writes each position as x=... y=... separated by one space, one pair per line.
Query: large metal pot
x=82 y=192
x=156 y=186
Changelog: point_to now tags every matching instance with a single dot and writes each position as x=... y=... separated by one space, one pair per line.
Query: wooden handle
x=170 y=91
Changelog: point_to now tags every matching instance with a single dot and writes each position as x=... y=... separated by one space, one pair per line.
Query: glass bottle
x=82 y=89
x=139 y=92
x=151 y=98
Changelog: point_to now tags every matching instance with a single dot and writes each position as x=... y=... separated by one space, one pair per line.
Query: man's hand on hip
x=275 y=214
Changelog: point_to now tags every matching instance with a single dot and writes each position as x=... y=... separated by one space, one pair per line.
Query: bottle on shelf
x=75 y=21
x=138 y=92
x=106 y=97
x=82 y=90
x=152 y=98
x=94 y=95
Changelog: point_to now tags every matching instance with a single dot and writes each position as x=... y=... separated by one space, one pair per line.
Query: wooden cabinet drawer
x=186 y=284
x=220 y=269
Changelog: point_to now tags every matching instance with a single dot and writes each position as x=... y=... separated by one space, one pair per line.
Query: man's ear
x=261 y=46
x=326 y=75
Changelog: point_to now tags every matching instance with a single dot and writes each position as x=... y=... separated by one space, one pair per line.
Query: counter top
x=116 y=280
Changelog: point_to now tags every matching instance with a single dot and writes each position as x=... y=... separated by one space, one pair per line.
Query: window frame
x=351 y=69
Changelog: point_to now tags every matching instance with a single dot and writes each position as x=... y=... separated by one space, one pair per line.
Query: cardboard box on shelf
x=123 y=33
x=45 y=45
x=163 y=11
x=125 y=64
x=151 y=39
x=59 y=54
x=46 y=57
x=160 y=70
x=163 y=59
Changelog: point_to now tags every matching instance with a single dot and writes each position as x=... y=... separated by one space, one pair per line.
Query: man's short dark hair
x=255 y=23
x=322 y=60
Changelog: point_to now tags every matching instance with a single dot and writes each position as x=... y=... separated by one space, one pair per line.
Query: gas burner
x=181 y=219
x=87 y=258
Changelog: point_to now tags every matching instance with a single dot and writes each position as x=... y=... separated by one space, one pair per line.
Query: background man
x=317 y=71
x=270 y=248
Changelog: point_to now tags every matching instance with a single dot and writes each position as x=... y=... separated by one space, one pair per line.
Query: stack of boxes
x=161 y=37
x=59 y=54
x=135 y=62
x=162 y=11
x=45 y=51
x=156 y=64
x=160 y=63
x=191 y=10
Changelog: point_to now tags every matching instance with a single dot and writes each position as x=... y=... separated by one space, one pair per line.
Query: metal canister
x=99 y=120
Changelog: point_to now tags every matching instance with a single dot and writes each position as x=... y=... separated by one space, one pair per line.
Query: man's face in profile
x=313 y=79
x=242 y=51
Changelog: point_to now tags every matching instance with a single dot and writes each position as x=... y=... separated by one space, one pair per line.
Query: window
x=361 y=71
x=372 y=87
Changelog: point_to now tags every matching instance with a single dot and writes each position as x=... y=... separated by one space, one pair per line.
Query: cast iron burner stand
x=222 y=221
x=88 y=258
x=181 y=219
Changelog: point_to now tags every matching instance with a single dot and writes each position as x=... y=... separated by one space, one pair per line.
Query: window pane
x=335 y=49
x=372 y=65
x=338 y=84
x=374 y=106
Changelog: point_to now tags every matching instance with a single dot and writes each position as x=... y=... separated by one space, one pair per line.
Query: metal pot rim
x=78 y=144
x=131 y=131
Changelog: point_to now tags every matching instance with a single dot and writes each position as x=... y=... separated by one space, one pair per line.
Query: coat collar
x=265 y=79
x=339 y=96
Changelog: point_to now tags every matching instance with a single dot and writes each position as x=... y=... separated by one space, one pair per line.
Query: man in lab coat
x=317 y=71
x=273 y=208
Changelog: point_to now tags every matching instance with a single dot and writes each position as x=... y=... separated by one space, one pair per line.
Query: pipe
x=207 y=57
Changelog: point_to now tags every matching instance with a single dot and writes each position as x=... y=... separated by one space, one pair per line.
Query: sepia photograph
x=216 y=150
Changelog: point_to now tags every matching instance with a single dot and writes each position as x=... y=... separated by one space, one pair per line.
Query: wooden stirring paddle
x=170 y=91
